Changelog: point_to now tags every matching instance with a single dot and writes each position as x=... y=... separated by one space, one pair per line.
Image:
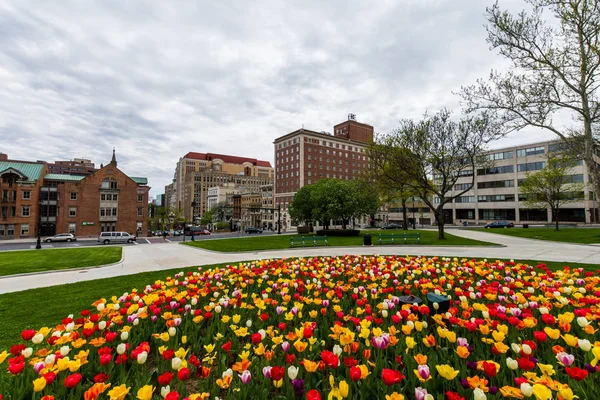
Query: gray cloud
x=159 y=79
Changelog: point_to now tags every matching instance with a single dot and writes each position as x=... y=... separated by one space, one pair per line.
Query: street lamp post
x=414 y=221
x=192 y=228
x=38 y=245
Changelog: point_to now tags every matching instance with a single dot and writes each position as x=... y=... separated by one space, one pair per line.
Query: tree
x=221 y=212
x=301 y=209
x=556 y=70
x=430 y=155
x=552 y=186
x=207 y=218
x=333 y=199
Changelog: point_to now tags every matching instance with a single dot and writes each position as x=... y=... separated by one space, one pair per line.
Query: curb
x=65 y=270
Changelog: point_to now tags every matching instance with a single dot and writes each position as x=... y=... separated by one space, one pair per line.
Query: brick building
x=106 y=200
x=77 y=166
x=303 y=157
x=195 y=173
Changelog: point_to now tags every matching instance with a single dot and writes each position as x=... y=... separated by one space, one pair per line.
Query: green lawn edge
x=33 y=261
x=565 y=235
x=35 y=308
x=280 y=242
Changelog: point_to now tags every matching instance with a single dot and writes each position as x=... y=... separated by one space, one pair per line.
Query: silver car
x=61 y=237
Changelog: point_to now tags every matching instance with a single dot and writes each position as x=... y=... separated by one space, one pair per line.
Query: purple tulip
x=298 y=385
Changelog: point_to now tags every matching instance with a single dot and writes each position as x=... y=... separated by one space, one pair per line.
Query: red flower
x=72 y=380
x=330 y=359
x=256 y=338
x=48 y=397
x=313 y=395
x=540 y=336
x=548 y=319
x=453 y=396
x=277 y=373
x=101 y=378
x=525 y=363
x=307 y=333
x=281 y=326
x=355 y=373
x=17 y=349
x=168 y=354
x=227 y=346
x=172 y=396
x=183 y=374
x=290 y=358
x=576 y=373
x=350 y=362
x=50 y=377
x=28 y=334
x=110 y=336
x=165 y=378
x=489 y=369
x=105 y=359
x=264 y=317
x=391 y=377
x=16 y=368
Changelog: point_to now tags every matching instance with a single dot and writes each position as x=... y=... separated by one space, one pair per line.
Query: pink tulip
x=423 y=371
x=565 y=358
x=245 y=377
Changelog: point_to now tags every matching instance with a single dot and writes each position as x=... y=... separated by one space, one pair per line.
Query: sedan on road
x=392 y=226
x=499 y=224
x=253 y=230
x=61 y=237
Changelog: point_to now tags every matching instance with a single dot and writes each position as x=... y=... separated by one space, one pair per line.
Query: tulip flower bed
x=325 y=328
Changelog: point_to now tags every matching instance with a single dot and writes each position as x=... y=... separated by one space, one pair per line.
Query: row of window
x=9 y=230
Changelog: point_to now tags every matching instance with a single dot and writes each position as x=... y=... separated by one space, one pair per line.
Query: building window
x=73 y=195
x=114 y=197
x=114 y=212
x=11 y=230
x=72 y=211
x=530 y=151
x=139 y=226
x=535 y=166
x=2 y=231
x=72 y=228
x=25 y=211
x=102 y=213
x=140 y=197
x=102 y=197
x=26 y=195
x=465 y=199
x=140 y=211
x=24 y=229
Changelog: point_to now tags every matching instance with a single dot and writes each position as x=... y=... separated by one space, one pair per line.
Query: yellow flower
x=446 y=371
x=463 y=351
x=278 y=383
x=595 y=352
x=410 y=343
x=39 y=384
x=547 y=369
x=421 y=359
x=498 y=336
x=552 y=333
x=3 y=356
x=119 y=392
x=541 y=392
x=364 y=371
x=566 y=394
x=209 y=348
x=225 y=381
x=394 y=396
x=310 y=366
x=145 y=393
x=344 y=389
x=300 y=346
x=236 y=319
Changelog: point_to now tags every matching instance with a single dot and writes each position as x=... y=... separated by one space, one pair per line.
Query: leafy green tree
x=552 y=186
x=221 y=212
x=207 y=218
x=555 y=56
x=430 y=155
x=301 y=209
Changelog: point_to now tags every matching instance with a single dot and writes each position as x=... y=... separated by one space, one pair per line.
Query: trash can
x=525 y=225
x=367 y=240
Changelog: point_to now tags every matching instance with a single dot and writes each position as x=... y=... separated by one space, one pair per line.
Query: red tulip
x=290 y=358
x=165 y=378
x=227 y=346
x=183 y=374
x=489 y=369
x=101 y=378
x=49 y=377
x=27 y=334
x=576 y=373
x=168 y=354
x=277 y=373
x=264 y=317
x=72 y=380
x=540 y=336
x=172 y=396
x=16 y=368
x=391 y=377
x=355 y=374
x=105 y=359
x=313 y=395
x=525 y=363
x=256 y=338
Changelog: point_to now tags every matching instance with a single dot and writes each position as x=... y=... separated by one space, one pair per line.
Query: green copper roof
x=63 y=177
x=139 y=180
x=31 y=170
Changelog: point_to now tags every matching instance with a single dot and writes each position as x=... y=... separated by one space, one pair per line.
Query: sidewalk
x=172 y=255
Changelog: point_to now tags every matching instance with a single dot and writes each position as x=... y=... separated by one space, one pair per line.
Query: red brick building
x=106 y=200
x=303 y=157
x=77 y=166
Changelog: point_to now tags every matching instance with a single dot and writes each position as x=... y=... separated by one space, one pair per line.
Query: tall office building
x=303 y=157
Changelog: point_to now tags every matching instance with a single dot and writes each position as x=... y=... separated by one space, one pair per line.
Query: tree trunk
x=440 y=221
x=405 y=214
x=555 y=217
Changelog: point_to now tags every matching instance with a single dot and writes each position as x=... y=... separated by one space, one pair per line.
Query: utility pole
x=38 y=245
x=279 y=218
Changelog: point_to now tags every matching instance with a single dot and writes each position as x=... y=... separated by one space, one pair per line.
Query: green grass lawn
x=570 y=235
x=20 y=262
x=273 y=242
x=35 y=308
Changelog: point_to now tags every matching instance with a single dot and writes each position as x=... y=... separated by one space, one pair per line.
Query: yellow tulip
x=547 y=369
x=446 y=371
x=278 y=383
x=310 y=366
x=119 y=392
x=541 y=392
x=566 y=394
x=394 y=396
x=39 y=384
x=552 y=333
x=421 y=359
x=300 y=346
x=570 y=340
x=463 y=352
x=344 y=389
x=145 y=393
x=3 y=356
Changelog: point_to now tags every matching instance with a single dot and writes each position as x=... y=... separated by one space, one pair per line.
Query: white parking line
x=136 y=243
x=167 y=240
x=147 y=241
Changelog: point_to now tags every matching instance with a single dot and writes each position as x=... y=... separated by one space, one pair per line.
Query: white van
x=116 y=237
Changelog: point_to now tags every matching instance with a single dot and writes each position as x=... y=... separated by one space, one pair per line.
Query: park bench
x=398 y=238
x=308 y=241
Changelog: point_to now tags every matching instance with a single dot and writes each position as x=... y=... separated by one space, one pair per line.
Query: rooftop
x=227 y=158
x=31 y=170
x=63 y=177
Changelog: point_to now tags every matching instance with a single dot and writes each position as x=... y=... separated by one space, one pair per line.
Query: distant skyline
x=157 y=80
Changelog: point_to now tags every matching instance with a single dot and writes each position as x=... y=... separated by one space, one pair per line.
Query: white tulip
x=124 y=335
x=175 y=363
x=292 y=372
x=116 y=307
x=337 y=350
x=172 y=331
x=582 y=322
x=164 y=391
x=141 y=358
x=27 y=352
x=121 y=348
x=249 y=323
x=37 y=339
x=100 y=307
x=526 y=349
x=584 y=344
x=64 y=350
x=479 y=394
x=526 y=389
x=102 y=325
x=512 y=364
x=50 y=359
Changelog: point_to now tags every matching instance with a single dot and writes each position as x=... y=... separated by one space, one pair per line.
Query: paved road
x=86 y=242
x=170 y=255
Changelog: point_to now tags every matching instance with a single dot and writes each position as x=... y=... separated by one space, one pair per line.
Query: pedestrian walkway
x=170 y=255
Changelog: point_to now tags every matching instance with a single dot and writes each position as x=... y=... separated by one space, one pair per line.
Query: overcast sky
x=158 y=79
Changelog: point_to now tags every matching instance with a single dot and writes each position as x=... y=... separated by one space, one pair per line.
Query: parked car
x=202 y=232
x=253 y=230
x=392 y=226
x=61 y=237
x=116 y=237
x=499 y=224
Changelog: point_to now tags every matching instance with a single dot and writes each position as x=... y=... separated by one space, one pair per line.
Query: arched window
x=109 y=183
